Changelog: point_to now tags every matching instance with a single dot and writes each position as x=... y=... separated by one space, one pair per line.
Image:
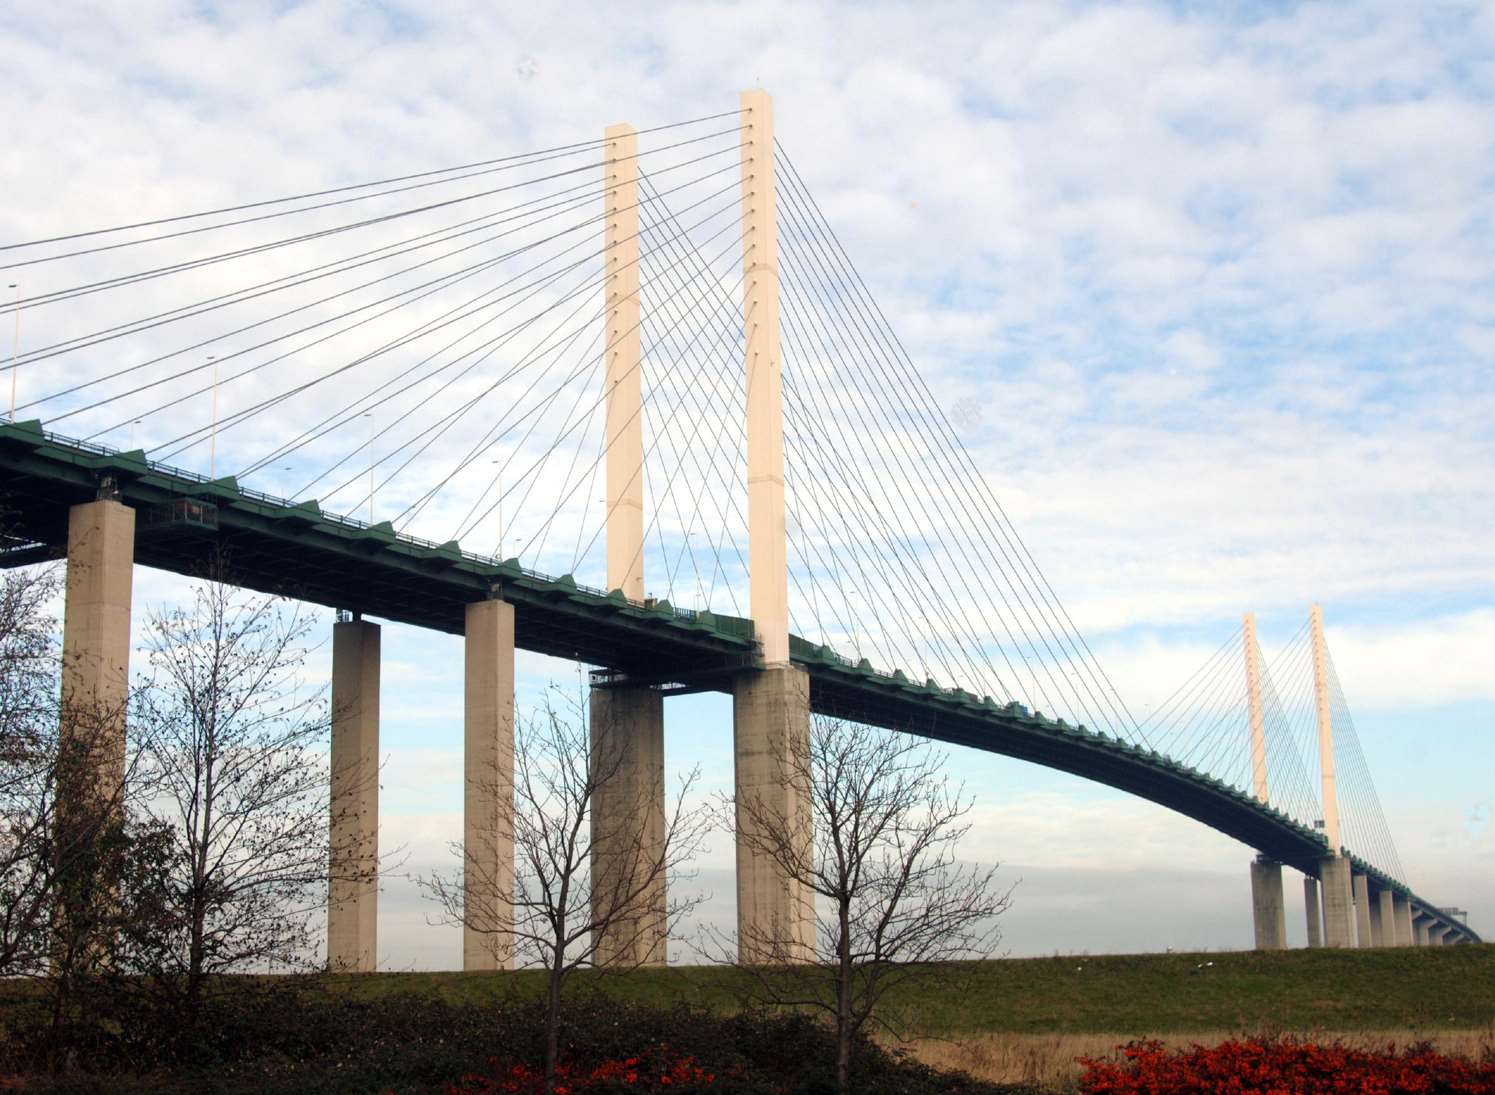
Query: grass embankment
x=1027 y=1021
x=1014 y=1022
x=1403 y=990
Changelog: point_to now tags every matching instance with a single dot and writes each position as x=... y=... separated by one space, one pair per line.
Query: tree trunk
x=552 y=1023
x=843 y=1000
x=194 y=952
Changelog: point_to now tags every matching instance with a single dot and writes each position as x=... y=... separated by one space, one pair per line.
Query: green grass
x=1451 y=988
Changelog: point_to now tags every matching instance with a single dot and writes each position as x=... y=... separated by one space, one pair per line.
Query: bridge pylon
x=771 y=705
x=1268 y=910
x=626 y=720
x=1335 y=873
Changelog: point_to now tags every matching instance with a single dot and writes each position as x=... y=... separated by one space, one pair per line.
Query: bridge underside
x=297 y=550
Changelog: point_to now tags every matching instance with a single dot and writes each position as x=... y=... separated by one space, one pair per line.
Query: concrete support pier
x=1383 y=919
x=1402 y=921
x=627 y=726
x=1312 y=912
x=1420 y=931
x=1339 y=903
x=488 y=787
x=770 y=730
x=96 y=639
x=353 y=871
x=1360 y=886
x=1268 y=910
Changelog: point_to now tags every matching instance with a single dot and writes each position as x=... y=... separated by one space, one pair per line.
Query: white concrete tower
x=770 y=706
x=1268 y=910
x=626 y=720
x=1253 y=708
x=767 y=551
x=1325 y=726
x=1334 y=869
x=625 y=428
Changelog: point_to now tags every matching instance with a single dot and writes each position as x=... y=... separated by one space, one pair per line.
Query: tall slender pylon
x=625 y=427
x=767 y=550
x=1253 y=707
x=1325 y=727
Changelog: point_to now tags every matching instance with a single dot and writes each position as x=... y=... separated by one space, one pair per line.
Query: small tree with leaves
x=581 y=896
x=892 y=901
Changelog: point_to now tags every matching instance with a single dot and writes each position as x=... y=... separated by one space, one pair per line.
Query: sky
x=1206 y=291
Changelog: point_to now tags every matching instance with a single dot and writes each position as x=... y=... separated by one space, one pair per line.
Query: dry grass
x=1049 y=1061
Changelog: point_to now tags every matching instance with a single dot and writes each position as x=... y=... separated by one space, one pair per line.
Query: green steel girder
x=297 y=550
x=842 y=689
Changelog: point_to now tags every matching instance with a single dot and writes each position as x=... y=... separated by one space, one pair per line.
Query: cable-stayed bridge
x=626 y=402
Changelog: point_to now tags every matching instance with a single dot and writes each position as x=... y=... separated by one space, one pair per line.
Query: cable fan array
x=1206 y=724
x=1362 y=821
x=428 y=350
x=425 y=350
x=899 y=552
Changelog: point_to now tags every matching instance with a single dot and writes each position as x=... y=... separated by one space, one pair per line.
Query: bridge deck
x=299 y=551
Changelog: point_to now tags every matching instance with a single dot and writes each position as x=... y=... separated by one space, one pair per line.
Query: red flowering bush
x=658 y=1070
x=1284 y=1066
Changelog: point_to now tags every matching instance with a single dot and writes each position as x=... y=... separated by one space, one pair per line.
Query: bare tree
x=892 y=902
x=236 y=743
x=63 y=796
x=583 y=894
x=29 y=768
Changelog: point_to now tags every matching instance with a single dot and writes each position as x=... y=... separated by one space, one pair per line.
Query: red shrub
x=1286 y=1066
x=655 y=1071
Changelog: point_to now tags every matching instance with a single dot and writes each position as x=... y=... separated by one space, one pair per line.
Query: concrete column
x=1383 y=918
x=96 y=639
x=1268 y=911
x=1403 y=921
x=353 y=884
x=627 y=726
x=488 y=787
x=771 y=728
x=1360 y=886
x=1339 y=903
x=1313 y=912
x=625 y=422
x=1437 y=935
x=1420 y=931
x=768 y=564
